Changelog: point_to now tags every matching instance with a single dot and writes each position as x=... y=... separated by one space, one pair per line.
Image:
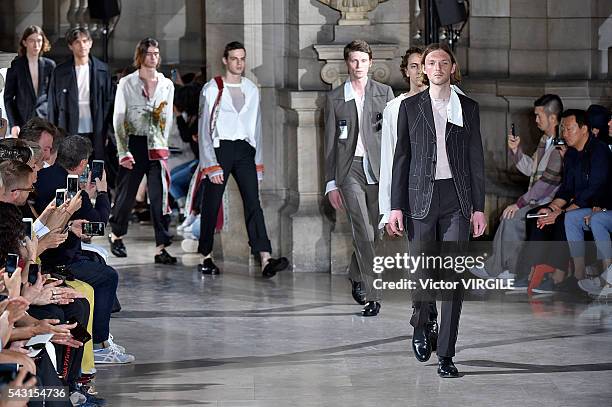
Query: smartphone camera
x=12 y=261
x=84 y=177
x=559 y=141
x=97 y=170
x=27 y=226
x=60 y=197
x=72 y=186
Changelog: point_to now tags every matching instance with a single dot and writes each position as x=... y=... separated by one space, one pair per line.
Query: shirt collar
x=453 y=110
x=349 y=93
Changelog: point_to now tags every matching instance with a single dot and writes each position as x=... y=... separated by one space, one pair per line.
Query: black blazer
x=64 y=100
x=414 y=164
x=20 y=100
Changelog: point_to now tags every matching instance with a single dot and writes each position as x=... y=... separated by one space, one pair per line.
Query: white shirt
x=85 y=120
x=439 y=108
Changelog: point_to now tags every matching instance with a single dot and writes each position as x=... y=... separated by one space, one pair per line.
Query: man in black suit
x=437 y=187
x=80 y=91
x=27 y=80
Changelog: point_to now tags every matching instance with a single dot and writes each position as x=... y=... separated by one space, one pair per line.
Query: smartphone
x=536 y=215
x=93 y=229
x=173 y=75
x=97 y=170
x=49 y=280
x=12 y=261
x=558 y=141
x=33 y=273
x=84 y=177
x=512 y=131
x=72 y=186
x=27 y=226
x=8 y=372
x=60 y=197
x=79 y=332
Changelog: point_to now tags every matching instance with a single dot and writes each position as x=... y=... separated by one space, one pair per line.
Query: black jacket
x=414 y=165
x=50 y=179
x=64 y=100
x=20 y=100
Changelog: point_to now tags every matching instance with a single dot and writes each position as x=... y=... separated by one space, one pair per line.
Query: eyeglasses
x=31 y=189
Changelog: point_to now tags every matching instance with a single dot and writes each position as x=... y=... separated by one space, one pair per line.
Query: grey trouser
x=361 y=203
x=507 y=243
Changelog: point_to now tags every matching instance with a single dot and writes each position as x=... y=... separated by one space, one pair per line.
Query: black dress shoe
x=357 y=291
x=446 y=368
x=421 y=345
x=274 y=266
x=432 y=333
x=371 y=309
x=208 y=267
x=117 y=247
x=164 y=258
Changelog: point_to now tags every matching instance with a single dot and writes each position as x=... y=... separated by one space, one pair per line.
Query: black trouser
x=443 y=223
x=555 y=254
x=68 y=359
x=47 y=377
x=127 y=187
x=236 y=158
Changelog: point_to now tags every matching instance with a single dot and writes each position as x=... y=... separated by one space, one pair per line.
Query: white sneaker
x=506 y=275
x=111 y=344
x=605 y=292
x=590 y=285
x=111 y=355
x=480 y=272
x=77 y=398
x=187 y=222
x=190 y=245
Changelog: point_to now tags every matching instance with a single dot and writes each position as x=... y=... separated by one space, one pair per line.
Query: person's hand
x=550 y=218
x=74 y=204
x=77 y=227
x=32 y=292
x=10 y=356
x=18 y=383
x=129 y=164
x=335 y=199
x=13 y=282
x=48 y=294
x=101 y=184
x=18 y=346
x=66 y=295
x=51 y=240
x=16 y=308
x=5 y=326
x=513 y=143
x=562 y=150
x=15 y=130
x=4 y=127
x=479 y=223
x=90 y=187
x=66 y=339
x=396 y=223
x=217 y=179
x=32 y=247
x=44 y=216
x=510 y=211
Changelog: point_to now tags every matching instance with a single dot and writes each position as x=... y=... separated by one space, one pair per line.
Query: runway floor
x=299 y=340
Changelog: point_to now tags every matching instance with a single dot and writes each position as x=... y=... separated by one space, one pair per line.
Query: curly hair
x=406 y=57
x=11 y=231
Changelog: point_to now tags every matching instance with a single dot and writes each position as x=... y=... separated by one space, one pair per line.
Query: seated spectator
x=544 y=172
x=73 y=154
x=598 y=118
x=44 y=134
x=586 y=166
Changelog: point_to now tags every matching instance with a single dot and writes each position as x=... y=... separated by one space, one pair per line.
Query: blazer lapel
x=427 y=112
x=41 y=75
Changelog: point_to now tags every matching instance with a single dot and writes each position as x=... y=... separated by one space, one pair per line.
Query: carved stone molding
x=354 y=12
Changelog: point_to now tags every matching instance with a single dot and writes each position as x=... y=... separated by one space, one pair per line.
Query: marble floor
x=299 y=340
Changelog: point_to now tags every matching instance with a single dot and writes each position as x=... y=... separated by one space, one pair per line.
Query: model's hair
x=72 y=150
x=455 y=77
x=74 y=33
x=11 y=231
x=406 y=57
x=579 y=114
x=357 y=46
x=231 y=47
x=33 y=29
x=551 y=103
x=14 y=173
x=140 y=53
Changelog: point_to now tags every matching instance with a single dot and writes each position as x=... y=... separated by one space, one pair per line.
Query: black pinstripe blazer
x=414 y=164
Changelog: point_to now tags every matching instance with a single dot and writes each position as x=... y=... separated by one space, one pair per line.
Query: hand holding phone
x=12 y=262
x=27 y=227
x=79 y=333
x=72 y=186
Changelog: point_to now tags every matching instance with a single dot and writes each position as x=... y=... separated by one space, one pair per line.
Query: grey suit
x=342 y=127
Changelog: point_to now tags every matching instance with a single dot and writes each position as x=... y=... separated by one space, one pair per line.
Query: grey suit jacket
x=339 y=152
x=414 y=164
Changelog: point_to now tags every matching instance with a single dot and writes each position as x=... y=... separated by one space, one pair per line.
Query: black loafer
x=421 y=345
x=117 y=247
x=208 y=267
x=358 y=293
x=371 y=309
x=446 y=368
x=164 y=258
x=274 y=266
